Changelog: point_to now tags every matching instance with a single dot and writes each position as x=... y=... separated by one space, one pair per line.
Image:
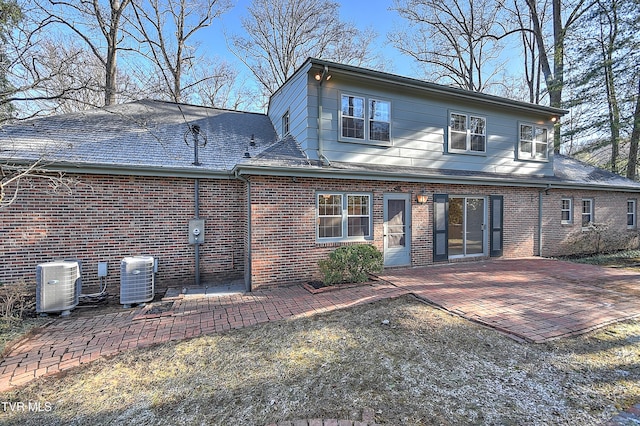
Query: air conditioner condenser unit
x=137 y=280
x=57 y=287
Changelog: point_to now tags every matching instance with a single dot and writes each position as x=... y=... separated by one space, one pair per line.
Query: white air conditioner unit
x=136 y=280
x=58 y=286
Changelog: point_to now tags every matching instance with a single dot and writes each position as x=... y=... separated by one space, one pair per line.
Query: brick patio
x=531 y=299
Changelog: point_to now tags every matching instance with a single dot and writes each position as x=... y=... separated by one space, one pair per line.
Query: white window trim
x=366 y=140
x=591 y=212
x=345 y=217
x=371 y=120
x=525 y=156
x=634 y=213
x=468 y=150
x=286 y=117
x=570 y=221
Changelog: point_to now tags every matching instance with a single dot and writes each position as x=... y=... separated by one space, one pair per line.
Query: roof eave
x=380 y=76
x=128 y=170
x=333 y=173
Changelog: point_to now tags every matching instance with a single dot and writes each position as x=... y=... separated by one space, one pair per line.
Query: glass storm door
x=467 y=233
x=397 y=230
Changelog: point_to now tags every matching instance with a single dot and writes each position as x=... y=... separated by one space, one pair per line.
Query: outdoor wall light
x=422 y=197
x=323 y=74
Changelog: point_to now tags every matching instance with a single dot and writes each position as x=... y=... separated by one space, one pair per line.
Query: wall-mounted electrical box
x=102 y=269
x=196 y=231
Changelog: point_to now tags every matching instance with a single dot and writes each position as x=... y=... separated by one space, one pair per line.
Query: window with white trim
x=587 y=212
x=566 y=211
x=365 y=120
x=467 y=133
x=344 y=216
x=352 y=117
x=631 y=214
x=533 y=143
x=285 y=124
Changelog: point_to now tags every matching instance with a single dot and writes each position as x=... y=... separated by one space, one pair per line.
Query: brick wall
x=284 y=246
x=610 y=210
x=105 y=218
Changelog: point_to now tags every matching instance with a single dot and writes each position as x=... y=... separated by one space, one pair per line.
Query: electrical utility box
x=196 y=231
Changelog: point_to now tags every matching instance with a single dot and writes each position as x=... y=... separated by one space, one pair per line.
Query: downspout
x=540 y=212
x=325 y=161
x=196 y=208
x=247 y=272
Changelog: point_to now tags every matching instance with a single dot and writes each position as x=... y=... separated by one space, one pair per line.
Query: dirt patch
x=411 y=363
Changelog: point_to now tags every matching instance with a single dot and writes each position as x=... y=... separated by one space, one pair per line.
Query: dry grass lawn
x=424 y=367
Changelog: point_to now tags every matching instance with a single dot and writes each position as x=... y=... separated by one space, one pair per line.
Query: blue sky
x=363 y=13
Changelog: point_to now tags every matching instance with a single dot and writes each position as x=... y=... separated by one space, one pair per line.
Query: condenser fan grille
x=136 y=280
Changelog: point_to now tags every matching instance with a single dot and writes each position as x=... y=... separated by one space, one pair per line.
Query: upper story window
x=467 y=133
x=365 y=120
x=352 y=117
x=379 y=120
x=285 y=124
x=533 y=143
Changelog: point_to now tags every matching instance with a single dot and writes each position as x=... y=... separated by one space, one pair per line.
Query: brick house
x=345 y=155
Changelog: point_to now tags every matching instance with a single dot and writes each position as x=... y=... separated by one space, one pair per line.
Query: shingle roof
x=569 y=169
x=154 y=134
x=151 y=134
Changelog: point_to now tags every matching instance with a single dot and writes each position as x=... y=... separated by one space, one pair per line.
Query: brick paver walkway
x=68 y=342
x=532 y=299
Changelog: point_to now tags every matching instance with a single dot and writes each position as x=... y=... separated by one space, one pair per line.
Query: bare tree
x=532 y=66
x=562 y=20
x=166 y=28
x=632 y=165
x=282 y=34
x=84 y=18
x=10 y=15
x=454 y=39
x=222 y=88
x=32 y=65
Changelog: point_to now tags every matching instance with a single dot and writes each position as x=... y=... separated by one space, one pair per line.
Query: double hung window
x=344 y=216
x=631 y=214
x=467 y=133
x=533 y=143
x=285 y=123
x=566 y=211
x=365 y=120
x=587 y=212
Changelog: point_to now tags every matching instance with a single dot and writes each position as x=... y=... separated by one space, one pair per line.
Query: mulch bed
x=315 y=287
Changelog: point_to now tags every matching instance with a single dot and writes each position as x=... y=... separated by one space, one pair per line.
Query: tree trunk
x=110 y=75
x=635 y=137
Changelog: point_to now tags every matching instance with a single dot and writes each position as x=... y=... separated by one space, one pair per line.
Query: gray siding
x=419 y=131
x=419 y=126
x=293 y=96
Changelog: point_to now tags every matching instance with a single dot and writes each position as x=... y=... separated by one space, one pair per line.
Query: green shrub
x=351 y=264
